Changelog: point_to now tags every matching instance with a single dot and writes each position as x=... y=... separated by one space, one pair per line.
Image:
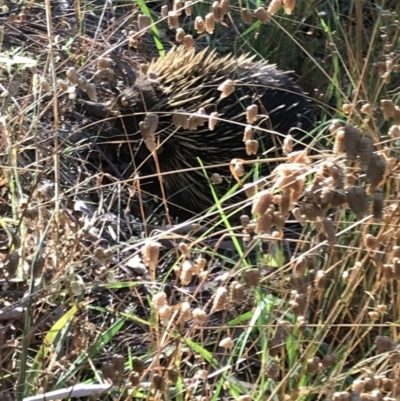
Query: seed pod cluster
x=150 y=255
x=189 y=267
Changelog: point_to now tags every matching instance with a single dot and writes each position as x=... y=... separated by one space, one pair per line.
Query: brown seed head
x=262 y=15
x=252 y=113
x=247 y=16
x=274 y=6
x=352 y=137
x=199 y=316
x=210 y=23
x=220 y=299
x=288 y=6
x=358 y=202
x=199 y=25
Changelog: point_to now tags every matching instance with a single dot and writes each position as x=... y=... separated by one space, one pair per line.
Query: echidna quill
x=188 y=82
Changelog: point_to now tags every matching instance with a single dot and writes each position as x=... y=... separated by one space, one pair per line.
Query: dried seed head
x=63 y=86
x=335 y=126
x=287 y=144
x=199 y=316
x=366 y=148
x=91 y=92
x=285 y=201
x=299 y=266
x=44 y=85
x=273 y=370
x=252 y=113
x=394 y=131
x=373 y=315
x=217 y=11
x=173 y=20
x=347 y=108
x=377 y=205
x=352 y=137
x=388 y=272
x=137 y=365
x=108 y=371
x=12 y=265
x=212 y=121
x=247 y=16
x=225 y=6
x=339 y=145
x=366 y=109
x=237 y=168
x=188 y=42
x=165 y=314
x=220 y=299
x=199 y=25
x=144 y=23
x=321 y=280
x=188 y=7
x=134 y=378
x=226 y=88
x=264 y=224
x=358 y=202
x=150 y=254
x=184 y=248
x=311 y=211
x=248 y=133
x=150 y=125
x=237 y=293
x=227 y=343
x=262 y=15
x=252 y=146
x=173 y=375
x=186 y=273
x=210 y=23
x=298 y=157
x=381 y=308
x=312 y=364
x=118 y=363
x=164 y=11
x=72 y=75
x=358 y=385
x=329 y=228
x=186 y=311
x=278 y=220
x=159 y=300
x=252 y=278
x=376 y=170
x=288 y=6
x=329 y=361
x=199 y=266
x=82 y=83
x=245 y=220
x=181 y=119
x=274 y=6
x=158 y=382
x=299 y=216
x=180 y=34
x=388 y=109
x=177 y=7
x=216 y=179
x=37 y=268
x=370 y=242
x=262 y=202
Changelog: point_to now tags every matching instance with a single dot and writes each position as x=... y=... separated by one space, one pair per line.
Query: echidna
x=188 y=81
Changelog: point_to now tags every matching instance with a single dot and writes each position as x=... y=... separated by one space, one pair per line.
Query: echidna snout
x=189 y=82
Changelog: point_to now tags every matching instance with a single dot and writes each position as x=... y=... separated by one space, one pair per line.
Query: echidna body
x=189 y=81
